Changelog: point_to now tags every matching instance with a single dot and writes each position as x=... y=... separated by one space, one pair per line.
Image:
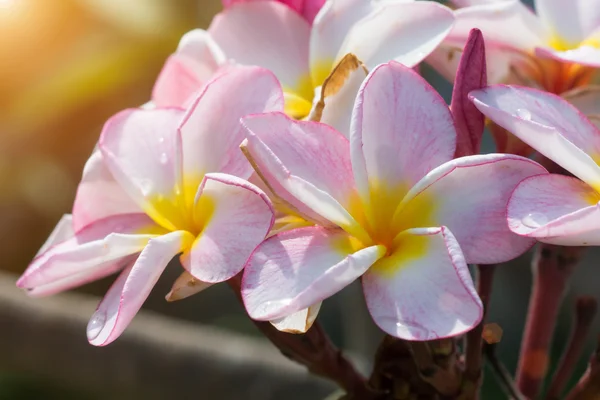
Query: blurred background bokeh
x=65 y=67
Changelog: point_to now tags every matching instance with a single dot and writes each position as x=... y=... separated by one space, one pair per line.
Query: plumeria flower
x=557 y=49
x=554 y=209
x=272 y=35
x=389 y=205
x=308 y=9
x=164 y=182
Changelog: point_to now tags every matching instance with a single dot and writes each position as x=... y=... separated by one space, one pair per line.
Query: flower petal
x=99 y=195
x=547 y=123
x=338 y=93
x=142 y=150
x=570 y=21
x=401 y=129
x=298 y=322
x=310 y=161
x=586 y=100
x=585 y=55
x=424 y=290
x=124 y=299
x=236 y=217
x=62 y=231
x=91 y=251
x=329 y=30
x=296 y=269
x=506 y=49
x=267 y=34
x=184 y=286
x=471 y=75
x=469 y=196
x=556 y=209
x=403 y=31
x=211 y=132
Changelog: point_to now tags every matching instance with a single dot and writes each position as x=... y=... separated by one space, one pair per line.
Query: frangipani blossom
x=554 y=209
x=390 y=205
x=164 y=182
x=556 y=49
x=308 y=9
x=272 y=35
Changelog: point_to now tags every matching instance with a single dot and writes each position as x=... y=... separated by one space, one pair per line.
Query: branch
x=588 y=388
x=585 y=311
x=502 y=375
x=552 y=267
x=314 y=350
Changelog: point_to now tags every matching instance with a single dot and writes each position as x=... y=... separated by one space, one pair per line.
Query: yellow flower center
x=298 y=99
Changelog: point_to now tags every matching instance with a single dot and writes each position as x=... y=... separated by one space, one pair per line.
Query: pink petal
x=298 y=322
x=99 y=195
x=196 y=61
x=62 y=231
x=571 y=21
x=505 y=48
x=91 y=252
x=401 y=129
x=585 y=55
x=177 y=82
x=211 y=132
x=267 y=34
x=471 y=75
x=296 y=269
x=142 y=150
x=311 y=8
x=124 y=299
x=236 y=217
x=328 y=33
x=310 y=161
x=403 y=31
x=547 y=123
x=469 y=196
x=423 y=294
x=556 y=209
x=586 y=99
x=81 y=278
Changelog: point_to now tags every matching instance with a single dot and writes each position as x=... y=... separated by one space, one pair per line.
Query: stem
x=588 y=387
x=552 y=266
x=502 y=375
x=585 y=311
x=474 y=341
x=315 y=351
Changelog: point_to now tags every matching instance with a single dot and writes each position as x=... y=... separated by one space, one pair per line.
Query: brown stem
x=552 y=267
x=585 y=311
x=473 y=355
x=314 y=350
x=588 y=387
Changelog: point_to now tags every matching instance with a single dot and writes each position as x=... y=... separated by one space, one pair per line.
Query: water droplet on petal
x=146 y=186
x=164 y=158
x=524 y=114
x=534 y=220
x=94 y=327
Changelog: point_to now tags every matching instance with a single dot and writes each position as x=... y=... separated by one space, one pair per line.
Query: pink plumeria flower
x=308 y=9
x=390 y=205
x=556 y=48
x=164 y=181
x=272 y=35
x=554 y=209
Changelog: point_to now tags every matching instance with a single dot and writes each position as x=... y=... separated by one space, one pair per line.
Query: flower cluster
x=294 y=146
